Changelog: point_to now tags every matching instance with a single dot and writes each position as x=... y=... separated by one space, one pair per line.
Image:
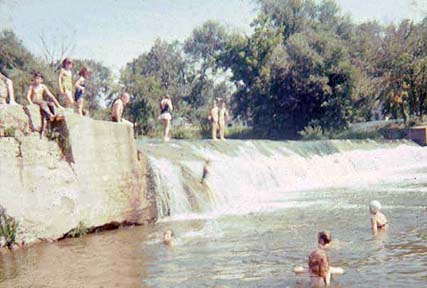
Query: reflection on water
x=254 y=250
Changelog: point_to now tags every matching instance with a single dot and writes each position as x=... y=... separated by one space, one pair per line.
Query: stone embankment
x=86 y=172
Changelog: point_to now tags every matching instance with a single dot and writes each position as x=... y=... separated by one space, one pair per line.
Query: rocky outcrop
x=90 y=174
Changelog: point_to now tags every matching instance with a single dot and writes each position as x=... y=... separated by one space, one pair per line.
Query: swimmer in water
x=324 y=239
x=378 y=220
x=168 y=237
x=319 y=269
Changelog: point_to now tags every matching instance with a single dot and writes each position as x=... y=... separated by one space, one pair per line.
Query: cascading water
x=256 y=176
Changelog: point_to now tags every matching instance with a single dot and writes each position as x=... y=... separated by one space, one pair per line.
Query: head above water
x=324 y=237
x=318 y=263
x=374 y=206
x=168 y=237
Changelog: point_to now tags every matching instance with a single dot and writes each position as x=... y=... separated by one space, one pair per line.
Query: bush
x=312 y=133
x=8 y=229
x=79 y=231
x=182 y=132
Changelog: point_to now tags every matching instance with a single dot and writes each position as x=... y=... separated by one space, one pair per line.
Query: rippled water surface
x=255 y=250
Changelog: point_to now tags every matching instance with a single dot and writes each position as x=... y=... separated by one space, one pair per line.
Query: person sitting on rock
x=117 y=108
x=35 y=95
x=6 y=90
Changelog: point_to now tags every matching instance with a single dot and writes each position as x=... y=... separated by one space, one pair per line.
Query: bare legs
x=80 y=106
x=69 y=100
x=221 y=131
x=10 y=91
x=214 y=130
x=166 y=128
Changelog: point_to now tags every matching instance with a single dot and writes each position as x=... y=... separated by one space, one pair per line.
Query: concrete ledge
x=49 y=195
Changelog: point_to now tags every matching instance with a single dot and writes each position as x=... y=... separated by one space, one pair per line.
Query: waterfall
x=253 y=176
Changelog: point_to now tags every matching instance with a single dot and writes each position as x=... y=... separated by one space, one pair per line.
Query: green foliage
x=312 y=133
x=79 y=231
x=8 y=230
x=304 y=65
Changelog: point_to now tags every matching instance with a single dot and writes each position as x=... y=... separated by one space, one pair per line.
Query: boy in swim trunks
x=378 y=219
x=6 y=90
x=35 y=95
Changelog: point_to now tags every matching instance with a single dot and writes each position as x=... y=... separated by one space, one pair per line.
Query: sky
x=116 y=31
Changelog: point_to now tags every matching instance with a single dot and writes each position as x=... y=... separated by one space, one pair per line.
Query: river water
x=255 y=217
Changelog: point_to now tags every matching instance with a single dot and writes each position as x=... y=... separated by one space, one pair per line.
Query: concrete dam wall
x=90 y=173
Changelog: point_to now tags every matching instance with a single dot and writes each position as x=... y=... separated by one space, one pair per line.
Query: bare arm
x=374 y=225
x=170 y=105
x=53 y=98
x=336 y=270
x=299 y=270
x=79 y=83
x=29 y=93
x=61 y=89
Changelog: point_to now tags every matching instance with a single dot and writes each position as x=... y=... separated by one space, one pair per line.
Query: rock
x=17 y=117
x=92 y=177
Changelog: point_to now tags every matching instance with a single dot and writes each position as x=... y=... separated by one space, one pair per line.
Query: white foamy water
x=259 y=176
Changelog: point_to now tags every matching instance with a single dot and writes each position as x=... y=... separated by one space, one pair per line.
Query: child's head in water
x=318 y=263
x=374 y=207
x=324 y=238
x=168 y=237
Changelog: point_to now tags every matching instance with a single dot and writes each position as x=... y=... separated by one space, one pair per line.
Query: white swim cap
x=375 y=206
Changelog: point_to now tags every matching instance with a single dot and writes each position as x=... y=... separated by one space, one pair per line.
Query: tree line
x=304 y=65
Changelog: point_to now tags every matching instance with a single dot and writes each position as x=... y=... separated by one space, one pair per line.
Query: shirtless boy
x=117 y=109
x=36 y=93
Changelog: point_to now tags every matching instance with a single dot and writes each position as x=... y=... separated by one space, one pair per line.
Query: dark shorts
x=78 y=95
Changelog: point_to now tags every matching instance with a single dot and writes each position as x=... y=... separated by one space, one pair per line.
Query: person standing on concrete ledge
x=165 y=117
x=6 y=89
x=117 y=109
